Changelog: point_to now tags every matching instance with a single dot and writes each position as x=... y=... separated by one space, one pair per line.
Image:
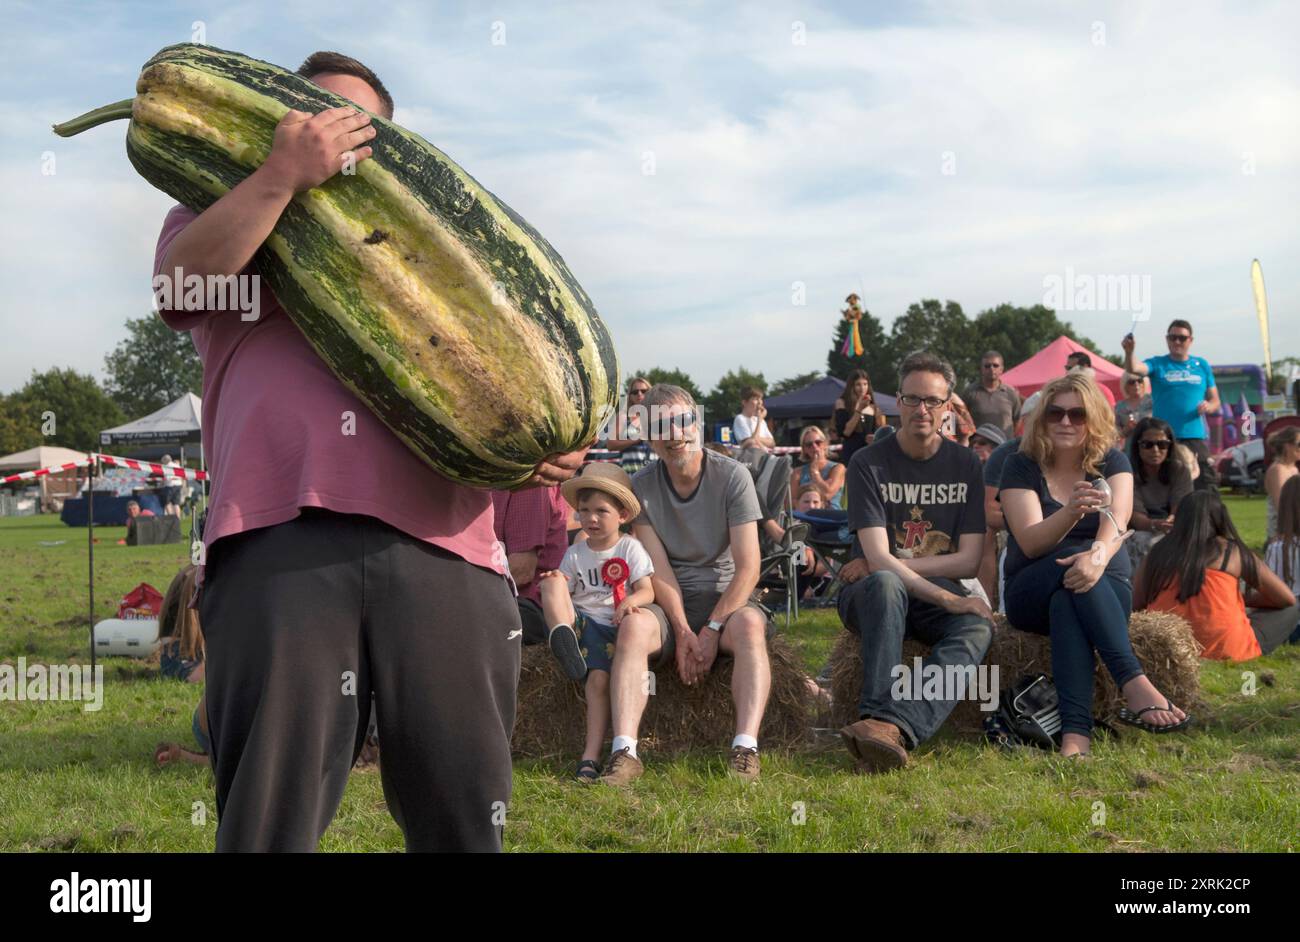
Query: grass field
x=86 y=781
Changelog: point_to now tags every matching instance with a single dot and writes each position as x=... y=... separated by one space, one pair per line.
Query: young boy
x=608 y=576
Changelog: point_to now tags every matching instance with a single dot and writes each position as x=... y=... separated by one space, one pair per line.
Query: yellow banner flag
x=1261 y=310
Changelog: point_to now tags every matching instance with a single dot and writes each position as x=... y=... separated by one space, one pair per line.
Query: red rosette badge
x=614 y=574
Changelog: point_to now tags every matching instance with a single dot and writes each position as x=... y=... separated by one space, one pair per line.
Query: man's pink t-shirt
x=274 y=434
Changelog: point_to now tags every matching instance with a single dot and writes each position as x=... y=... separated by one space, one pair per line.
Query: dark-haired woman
x=1159 y=483
x=1284 y=449
x=1195 y=574
x=856 y=414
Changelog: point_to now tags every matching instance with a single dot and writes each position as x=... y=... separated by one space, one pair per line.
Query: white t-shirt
x=743 y=427
x=582 y=565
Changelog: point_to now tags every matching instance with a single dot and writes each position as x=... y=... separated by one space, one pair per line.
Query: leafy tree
x=876 y=359
x=20 y=425
x=722 y=404
x=940 y=328
x=1281 y=370
x=80 y=407
x=1020 y=332
x=155 y=365
x=673 y=377
x=793 y=383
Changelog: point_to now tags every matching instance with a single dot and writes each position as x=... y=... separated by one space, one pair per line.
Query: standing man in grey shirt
x=992 y=401
x=699 y=523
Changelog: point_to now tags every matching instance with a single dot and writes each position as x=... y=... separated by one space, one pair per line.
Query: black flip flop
x=563 y=642
x=1135 y=719
x=588 y=771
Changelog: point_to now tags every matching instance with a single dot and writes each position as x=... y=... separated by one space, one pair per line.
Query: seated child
x=1283 y=551
x=606 y=578
x=1194 y=573
x=180 y=657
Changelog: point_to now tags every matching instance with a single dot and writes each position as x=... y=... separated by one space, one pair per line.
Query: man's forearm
x=956 y=565
x=736 y=595
x=224 y=238
x=668 y=596
x=917 y=586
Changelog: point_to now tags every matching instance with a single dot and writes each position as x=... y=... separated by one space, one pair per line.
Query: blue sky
x=792 y=143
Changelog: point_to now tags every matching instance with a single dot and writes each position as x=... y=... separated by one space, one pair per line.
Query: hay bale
x=1163 y=642
x=550 y=719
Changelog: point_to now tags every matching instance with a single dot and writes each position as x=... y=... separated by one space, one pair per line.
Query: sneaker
x=623 y=769
x=878 y=746
x=743 y=763
x=563 y=643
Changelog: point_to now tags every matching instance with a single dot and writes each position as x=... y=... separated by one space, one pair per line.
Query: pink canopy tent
x=1049 y=363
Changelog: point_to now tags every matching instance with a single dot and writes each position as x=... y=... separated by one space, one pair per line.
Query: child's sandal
x=588 y=771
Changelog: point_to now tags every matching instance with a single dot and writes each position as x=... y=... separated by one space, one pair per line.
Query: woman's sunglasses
x=814 y=441
x=1162 y=444
x=1056 y=415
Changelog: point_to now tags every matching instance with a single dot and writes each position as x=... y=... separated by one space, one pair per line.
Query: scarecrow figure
x=852 y=339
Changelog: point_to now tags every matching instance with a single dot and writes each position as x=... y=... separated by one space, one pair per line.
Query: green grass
x=79 y=780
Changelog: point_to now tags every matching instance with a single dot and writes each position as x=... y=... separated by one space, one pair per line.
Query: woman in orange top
x=1194 y=573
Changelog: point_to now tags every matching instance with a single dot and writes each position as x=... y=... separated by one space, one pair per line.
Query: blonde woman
x=817 y=471
x=1067 y=569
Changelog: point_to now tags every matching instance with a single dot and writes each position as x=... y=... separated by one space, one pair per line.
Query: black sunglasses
x=1181 y=338
x=1163 y=444
x=1055 y=414
x=683 y=421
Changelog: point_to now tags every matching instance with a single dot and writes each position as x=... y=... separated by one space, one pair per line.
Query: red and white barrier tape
x=175 y=471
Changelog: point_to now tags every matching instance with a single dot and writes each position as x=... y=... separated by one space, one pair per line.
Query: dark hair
x=1200 y=521
x=1288 y=525
x=321 y=63
x=1179 y=323
x=749 y=392
x=1135 y=450
x=923 y=361
x=993 y=353
x=1080 y=358
x=1281 y=438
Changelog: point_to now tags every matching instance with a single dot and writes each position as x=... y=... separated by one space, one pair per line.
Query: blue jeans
x=879 y=611
x=1078 y=622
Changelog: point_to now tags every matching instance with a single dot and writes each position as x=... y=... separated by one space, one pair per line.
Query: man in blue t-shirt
x=1182 y=392
x=916 y=507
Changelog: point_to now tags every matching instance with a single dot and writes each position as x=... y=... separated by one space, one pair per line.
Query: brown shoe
x=743 y=763
x=623 y=769
x=878 y=746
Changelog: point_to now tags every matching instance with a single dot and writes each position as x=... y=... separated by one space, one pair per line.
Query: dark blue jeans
x=1078 y=622
x=879 y=611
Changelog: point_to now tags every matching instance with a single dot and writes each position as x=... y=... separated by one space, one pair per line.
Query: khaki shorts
x=698 y=606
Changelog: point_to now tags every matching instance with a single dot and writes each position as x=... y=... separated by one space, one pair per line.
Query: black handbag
x=1027 y=714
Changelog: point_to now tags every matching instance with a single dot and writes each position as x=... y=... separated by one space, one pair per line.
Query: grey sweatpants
x=302 y=621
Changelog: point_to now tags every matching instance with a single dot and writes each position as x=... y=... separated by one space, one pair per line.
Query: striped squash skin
x=461 y=328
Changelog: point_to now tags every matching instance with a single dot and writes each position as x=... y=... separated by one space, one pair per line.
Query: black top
x=1023 y=472
x=858 y=440
x=924 y=505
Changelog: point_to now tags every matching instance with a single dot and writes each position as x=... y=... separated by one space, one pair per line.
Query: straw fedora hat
x=607 y=477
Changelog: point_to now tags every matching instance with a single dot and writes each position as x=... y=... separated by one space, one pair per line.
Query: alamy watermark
x=950 y=682
x=1079 y=292
x=181 y=292
x=36 y=682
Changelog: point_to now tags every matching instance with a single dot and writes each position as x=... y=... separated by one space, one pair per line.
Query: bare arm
x=523 y=567
x=1271 y=591
x=992 y=508
x=1212 y=400
x=1131 y=363
x=1024 y=515
x=745 y=553
x=875 y=546
x=963 y=564
x=643 y=592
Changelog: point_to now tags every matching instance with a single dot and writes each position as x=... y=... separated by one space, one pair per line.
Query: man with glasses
x=699 y=523
x=1183 y=392
x=627 y=434
x=916 y=503
x=991 y=401
x=1078 y=360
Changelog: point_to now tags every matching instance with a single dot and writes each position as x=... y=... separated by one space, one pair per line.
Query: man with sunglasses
x=916 y=503
x=1183 y=392
x=991 y=401
x=699 y=523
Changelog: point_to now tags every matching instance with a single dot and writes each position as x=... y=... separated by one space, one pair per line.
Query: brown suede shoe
x=623 y=769
x=878 y=746
x=743 y=763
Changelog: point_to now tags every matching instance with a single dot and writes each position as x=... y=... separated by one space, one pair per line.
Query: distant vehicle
x=1243 y=465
